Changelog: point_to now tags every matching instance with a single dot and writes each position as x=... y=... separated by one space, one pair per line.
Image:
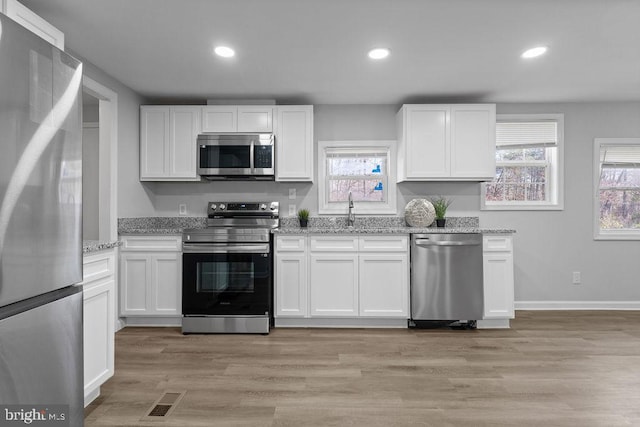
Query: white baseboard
x=577 y=305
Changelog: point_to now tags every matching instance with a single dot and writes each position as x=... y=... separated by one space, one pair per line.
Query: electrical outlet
x=292 y=194
x=292 y=210
x=576 y=278
x=182 y=209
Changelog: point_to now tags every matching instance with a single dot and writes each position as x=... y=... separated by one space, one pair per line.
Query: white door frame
x=108 y=155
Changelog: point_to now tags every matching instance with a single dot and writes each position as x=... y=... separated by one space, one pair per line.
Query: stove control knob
x=214 y=207
x=273 y=206
x=222 y=206
x=263 y=207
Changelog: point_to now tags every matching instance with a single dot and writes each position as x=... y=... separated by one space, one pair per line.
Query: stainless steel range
x=227 y=280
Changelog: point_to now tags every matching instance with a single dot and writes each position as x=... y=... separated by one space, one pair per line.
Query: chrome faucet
x=351 y=217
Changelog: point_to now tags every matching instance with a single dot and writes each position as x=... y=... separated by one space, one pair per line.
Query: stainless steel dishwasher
x=446 y=279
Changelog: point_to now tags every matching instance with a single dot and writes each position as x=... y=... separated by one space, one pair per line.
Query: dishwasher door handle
x=427 y=242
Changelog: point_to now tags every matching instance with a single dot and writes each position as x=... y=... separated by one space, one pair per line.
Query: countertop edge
x=91 y=246
x=339 y=230
x=400 y=230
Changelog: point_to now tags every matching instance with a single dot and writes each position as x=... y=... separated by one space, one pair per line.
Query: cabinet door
x=498 y=285
x=98 y=335
x=291 y=284
x=427 y=139
x=184 y=129
x=154 y=142
x=294 y=143
x=255 y=118
x=135 y=279
x=333 y=284
x=473 y=141
x=384 y=285
x=166 y=284
x=219 y=118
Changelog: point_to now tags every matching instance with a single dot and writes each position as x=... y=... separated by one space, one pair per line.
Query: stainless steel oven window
x=225 y=276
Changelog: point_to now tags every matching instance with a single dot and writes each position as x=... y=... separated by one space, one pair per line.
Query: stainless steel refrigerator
x=41 y=363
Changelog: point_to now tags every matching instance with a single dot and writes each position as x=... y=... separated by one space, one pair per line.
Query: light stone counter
x=90 y=246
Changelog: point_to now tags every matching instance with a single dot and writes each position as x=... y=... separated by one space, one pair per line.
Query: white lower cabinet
x=150 y=279
x=98 y=320
x=333 y=283
x=344 y=278
x=498 y=279
x=383 y=290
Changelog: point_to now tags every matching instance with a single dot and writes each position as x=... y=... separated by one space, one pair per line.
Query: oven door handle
x=224 y=248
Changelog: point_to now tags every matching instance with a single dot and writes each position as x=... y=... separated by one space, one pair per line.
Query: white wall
x=90 y=188
x=550 y=245
x=133 y=198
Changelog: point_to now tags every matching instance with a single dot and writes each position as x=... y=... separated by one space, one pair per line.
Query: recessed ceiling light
x=536 y=51
x=224 y=51
x=379 y=53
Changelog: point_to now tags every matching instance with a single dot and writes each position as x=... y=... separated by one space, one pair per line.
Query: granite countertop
x=323 y=225
x=390 y=230
x=159 y=225
x=89 y=246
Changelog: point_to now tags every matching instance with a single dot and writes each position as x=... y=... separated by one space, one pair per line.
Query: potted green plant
x=303 y=217
x=440 y=204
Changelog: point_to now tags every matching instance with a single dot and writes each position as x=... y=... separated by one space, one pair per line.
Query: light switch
x=182 y=209
x=292 y=210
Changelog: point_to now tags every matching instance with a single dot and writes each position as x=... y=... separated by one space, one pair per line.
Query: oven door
x=226 y=279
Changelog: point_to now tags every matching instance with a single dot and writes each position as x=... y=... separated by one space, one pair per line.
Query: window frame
x=556 y=169
x=362 y=208
x=598 y=234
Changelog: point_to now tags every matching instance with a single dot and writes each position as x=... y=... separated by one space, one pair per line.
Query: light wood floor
x=551 y=369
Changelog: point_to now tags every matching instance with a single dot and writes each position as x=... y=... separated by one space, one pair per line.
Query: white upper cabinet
x=294 y=143
x=255 y=118
x=237 y=118
x=446 y=142
x=473 y=141
x=219 y=119
x=168 y=137
x=31 y=21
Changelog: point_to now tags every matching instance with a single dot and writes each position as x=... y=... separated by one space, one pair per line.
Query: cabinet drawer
x=497 y=244
x=383 y=243
x=290 y=243
x=334 y=244
x=152 y=243
x=97 y=266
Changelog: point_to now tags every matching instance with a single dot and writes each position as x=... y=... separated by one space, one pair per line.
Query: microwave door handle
x=251 y=162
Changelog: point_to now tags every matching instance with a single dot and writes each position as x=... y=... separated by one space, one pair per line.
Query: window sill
x=522 y=208
x=616 y=236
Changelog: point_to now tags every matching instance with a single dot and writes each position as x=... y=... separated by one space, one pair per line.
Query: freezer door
x=40 y=166
x=41 y=354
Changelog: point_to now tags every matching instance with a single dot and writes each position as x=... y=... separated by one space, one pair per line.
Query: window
x=529 y=150
x=362 y=168
x=617 y=188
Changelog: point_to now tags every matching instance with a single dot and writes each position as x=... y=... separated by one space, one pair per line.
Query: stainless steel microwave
x=238 y=156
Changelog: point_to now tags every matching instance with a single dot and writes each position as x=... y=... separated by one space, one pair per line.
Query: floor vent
x=164 y=405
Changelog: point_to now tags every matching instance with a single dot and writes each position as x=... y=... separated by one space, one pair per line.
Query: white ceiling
x=305 y=51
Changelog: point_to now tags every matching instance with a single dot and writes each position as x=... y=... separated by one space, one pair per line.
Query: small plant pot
x=304 y=223
x=440 y=222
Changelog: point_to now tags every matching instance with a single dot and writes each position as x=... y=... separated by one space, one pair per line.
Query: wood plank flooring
x=567 y=368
